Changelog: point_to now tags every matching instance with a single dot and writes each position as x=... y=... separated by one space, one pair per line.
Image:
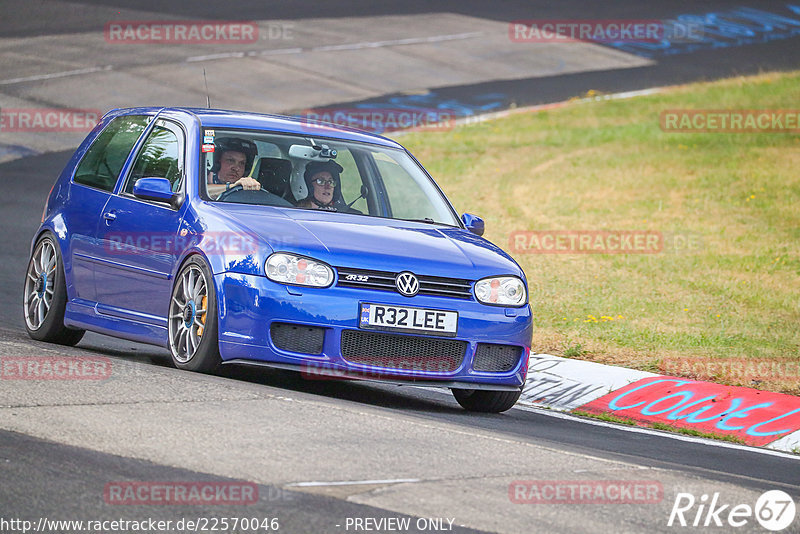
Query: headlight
x=297 y=270
x=501 y=291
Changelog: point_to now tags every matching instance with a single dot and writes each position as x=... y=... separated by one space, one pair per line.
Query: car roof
x=220 y=118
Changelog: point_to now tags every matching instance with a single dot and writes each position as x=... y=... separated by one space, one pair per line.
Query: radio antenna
x=208 y=98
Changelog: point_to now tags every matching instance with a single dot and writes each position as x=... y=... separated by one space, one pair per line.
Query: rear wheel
x=45 y=296
x=193 y=319
x=487 y=401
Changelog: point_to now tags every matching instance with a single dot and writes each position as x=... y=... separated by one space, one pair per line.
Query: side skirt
x=85 y=315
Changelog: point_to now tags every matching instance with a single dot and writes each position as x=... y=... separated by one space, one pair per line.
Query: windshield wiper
x=428 y=220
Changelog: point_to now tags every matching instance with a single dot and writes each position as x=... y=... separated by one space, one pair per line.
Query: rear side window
x=102 y=163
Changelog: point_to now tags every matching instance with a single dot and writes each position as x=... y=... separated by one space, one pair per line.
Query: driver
x=323 y=186
x=233 y=160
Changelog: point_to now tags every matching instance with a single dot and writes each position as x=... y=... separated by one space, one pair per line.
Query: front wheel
x=486 y=401
x=45 y=296
x=193 y=319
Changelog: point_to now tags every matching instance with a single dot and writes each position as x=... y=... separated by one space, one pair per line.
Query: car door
x=92 y=185
x=139 y=236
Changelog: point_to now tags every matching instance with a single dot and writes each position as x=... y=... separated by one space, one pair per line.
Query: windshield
x=267 y=168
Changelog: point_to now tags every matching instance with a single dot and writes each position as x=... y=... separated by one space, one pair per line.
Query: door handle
x=110 y=216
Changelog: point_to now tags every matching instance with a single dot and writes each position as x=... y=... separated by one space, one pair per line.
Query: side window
x=408 y=199
x=351 y=180
x=159 y=157
x=102 y=163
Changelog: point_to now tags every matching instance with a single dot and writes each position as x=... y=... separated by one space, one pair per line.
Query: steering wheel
x=252 y=196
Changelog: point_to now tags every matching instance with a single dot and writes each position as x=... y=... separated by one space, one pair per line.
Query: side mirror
x=158 y=189
x=473 y=223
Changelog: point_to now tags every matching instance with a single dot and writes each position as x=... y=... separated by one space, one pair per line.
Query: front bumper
x=248 y=306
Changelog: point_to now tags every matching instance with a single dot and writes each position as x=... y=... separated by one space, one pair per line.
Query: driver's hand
x=248 y=183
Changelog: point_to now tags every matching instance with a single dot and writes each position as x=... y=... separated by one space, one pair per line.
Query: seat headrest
x=274 y=175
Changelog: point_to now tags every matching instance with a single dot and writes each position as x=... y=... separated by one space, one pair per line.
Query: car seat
x=274 y=175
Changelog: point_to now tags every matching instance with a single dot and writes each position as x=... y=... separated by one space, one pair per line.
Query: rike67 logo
x=774 y=510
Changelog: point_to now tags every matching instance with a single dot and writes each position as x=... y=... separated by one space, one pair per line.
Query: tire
x=45 y=296
x=192 y=330
x=486 y=401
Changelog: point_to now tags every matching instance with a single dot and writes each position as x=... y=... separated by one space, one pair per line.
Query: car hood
x=356 y=241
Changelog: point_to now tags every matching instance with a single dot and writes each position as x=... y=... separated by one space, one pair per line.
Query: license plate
x=400 y=318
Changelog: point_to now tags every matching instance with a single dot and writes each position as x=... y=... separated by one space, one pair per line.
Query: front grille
x=493 y=358
x=436 y=286
x=409 y=353
x=297 y=337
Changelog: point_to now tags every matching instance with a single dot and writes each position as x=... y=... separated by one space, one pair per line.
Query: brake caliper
x=203 y=305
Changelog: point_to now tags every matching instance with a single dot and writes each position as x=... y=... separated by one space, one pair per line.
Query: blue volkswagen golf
x=238 y=238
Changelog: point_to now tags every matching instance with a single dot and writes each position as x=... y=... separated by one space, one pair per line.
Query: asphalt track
x=310 y=446
x=707 y=64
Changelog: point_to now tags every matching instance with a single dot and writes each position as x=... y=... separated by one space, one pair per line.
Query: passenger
x=233 y=160
x=324 y=186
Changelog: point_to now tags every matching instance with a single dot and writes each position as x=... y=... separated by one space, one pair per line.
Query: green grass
x=605 y=417
x=607 y=165
x=574 y=351
x=696 y=433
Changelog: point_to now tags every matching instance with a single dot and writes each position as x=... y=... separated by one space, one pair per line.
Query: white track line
x=62 y=74
x=669 y=435
x=211 y=57
x=474 y=119
x=254 y=53
x=353 y=482
x=332 y=48
x=398 y=42
x=639 y=430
